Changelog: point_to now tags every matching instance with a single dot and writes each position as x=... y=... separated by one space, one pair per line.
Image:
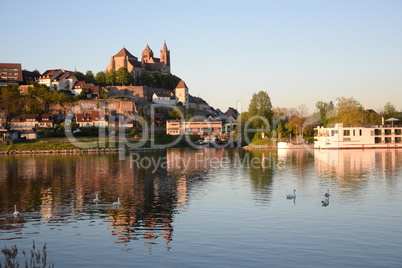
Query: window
x=377 y=132
x=388 y=140
x=387 y=132
x=360 y=132
x=398 y=140
x=377 y=140
x=397 y=131
x=354 y=132
x=346 y=133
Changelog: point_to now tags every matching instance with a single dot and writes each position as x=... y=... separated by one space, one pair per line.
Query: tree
x=11 y=101
x=89 y=77
x=389 y=111
x=325 y=110
x=260 y=108
x=100 y=78
x=350 y=112
x=80 y=76
x=123 y=77
x=111 y=77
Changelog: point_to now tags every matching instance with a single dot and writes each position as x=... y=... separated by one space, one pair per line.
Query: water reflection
x=153 y=187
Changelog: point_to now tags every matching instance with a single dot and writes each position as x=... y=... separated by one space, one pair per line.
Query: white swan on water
x=16 y=212
x=327 y=194
x=325 y=202
x=291 y=196
x=96 y=200
x=117 y=203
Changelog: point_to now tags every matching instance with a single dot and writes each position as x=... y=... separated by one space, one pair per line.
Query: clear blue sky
x=299 y=52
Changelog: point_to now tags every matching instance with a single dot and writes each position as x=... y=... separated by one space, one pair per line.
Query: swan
x=117 y=203
x=16 y=212
x=325 y=202
x=327 y=194
x=291 y=196
x=96 y=200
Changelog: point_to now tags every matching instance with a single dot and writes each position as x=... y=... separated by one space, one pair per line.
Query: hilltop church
x=148 y=62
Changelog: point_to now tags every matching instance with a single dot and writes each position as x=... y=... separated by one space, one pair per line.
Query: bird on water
x=291 y=196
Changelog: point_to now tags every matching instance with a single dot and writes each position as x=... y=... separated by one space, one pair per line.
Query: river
x=206 y=208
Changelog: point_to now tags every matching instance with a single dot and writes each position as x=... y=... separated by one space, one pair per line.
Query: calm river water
x=206 y=208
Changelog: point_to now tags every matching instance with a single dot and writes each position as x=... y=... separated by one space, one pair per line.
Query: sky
x=299 y=52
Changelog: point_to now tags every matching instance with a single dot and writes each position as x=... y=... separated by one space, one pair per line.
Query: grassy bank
x=90 y=143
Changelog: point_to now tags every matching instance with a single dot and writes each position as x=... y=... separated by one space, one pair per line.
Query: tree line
x=123 y=77
x=281 y=122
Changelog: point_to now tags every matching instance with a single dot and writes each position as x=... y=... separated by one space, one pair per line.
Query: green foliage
x=350 y=112
x=89 y=77
x=389 y=111
x=100 y=78
x=260 y=108
x=167 y=81
x=123 y=77
x=325 y=111
x=111 y=77
x=80 y=76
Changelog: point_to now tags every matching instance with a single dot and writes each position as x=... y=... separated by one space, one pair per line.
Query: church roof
x=153 y=67
x=124 y=52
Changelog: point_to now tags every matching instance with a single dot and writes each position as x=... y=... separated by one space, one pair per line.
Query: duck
x=325 y=202
x=96 y=200
x=16 y=212
x=291 y=196
x=117 y=203
x=327 y=194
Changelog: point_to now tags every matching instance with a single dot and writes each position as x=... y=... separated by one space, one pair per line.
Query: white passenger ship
x=340 y=137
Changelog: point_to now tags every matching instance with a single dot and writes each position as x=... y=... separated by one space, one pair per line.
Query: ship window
x=388 y=140
x=354 y=133
x=377 y=140
x=360 y=132
x=398 y=140
x=346 y=133
x=387 y=132
x=397 y=132
x=377 y=132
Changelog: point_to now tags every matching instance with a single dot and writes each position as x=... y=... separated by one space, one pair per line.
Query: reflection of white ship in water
x=352 y=163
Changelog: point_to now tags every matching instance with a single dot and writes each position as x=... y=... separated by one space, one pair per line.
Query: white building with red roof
x=58 y=79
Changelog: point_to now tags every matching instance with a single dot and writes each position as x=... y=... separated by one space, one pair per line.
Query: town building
x=58 y=79
x=30 y=122
x=148 y=62
x=194 y=127
x=92 y=119
x=10 y=74
x=166 y=98
x=89 y=90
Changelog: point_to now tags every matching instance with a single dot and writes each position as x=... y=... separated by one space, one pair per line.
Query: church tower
x=165 y=55
x=147 y=55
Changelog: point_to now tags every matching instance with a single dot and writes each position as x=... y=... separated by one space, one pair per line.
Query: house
x=30 y=122
x=10 y=74
x=58 y=79
x=90 y=90
x=92 y=119
x=164 y=98
x=194 y=127
x=232 y=112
